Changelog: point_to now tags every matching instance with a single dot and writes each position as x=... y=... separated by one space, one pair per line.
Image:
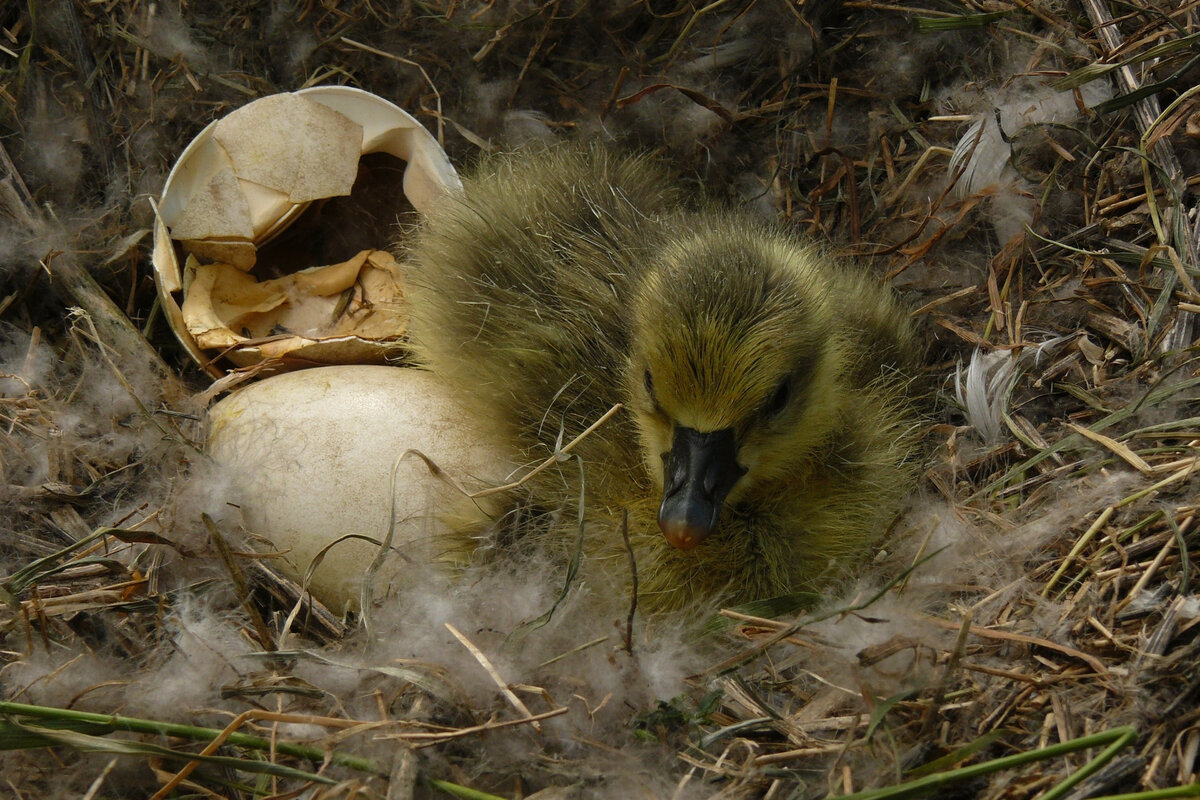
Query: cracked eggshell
x=321 y=308
x=311 y=455
x=249 y=176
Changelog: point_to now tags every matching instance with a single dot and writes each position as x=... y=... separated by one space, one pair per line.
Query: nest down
x=1043 y=643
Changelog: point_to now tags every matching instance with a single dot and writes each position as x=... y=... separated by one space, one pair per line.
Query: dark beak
x=699 y=472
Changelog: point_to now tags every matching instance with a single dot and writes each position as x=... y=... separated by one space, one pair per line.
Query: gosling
x=769 y=424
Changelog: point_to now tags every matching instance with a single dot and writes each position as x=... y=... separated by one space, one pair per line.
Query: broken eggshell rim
x=386 y=128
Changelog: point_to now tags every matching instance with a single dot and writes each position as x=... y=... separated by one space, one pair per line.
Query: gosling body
x=768 y=428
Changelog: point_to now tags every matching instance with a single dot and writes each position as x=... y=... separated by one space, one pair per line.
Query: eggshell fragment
x=359 y=303
x=293 y=145
x=311 y=454
x=219 y=210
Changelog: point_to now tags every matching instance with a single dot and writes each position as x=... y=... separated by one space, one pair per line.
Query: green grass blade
x=957 y=22
x=124 y=747
x=1116 y=738
x=193 y=732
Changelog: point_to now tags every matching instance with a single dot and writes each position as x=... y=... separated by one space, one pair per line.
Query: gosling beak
x=700 y=470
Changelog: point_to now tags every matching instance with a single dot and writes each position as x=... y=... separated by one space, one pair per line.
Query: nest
x=1034 y=632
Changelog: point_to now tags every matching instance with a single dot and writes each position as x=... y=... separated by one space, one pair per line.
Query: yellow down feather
x=562 y=281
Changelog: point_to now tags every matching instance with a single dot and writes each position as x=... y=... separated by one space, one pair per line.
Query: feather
x=983 y=156
x=984 y=389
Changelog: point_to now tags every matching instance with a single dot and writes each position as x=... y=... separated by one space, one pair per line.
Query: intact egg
x=311 y=453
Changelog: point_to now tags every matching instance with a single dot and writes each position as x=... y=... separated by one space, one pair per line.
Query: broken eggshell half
x=269 y=238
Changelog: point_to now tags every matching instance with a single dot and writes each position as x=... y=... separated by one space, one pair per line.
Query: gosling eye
x=779 y=399
x=648 y=381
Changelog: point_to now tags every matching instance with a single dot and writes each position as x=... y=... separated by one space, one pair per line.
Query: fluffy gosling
x=769 y=428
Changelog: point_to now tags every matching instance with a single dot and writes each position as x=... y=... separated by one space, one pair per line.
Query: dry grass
x=1077 y=624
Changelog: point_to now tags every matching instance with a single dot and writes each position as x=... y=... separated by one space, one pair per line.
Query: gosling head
x=732 y=368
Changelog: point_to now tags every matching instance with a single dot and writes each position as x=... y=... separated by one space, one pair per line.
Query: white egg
x=311 y=456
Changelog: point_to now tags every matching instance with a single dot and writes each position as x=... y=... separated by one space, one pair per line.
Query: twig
x=939 y=694
x=1147 y=112
x=1122 y=451
x=403 y=782
x=1006 y=636
x=441 y=122
x=556 y=458
x=633 y=579
x=424 y=739
x=94 y=789
x=1080 y=543
x=209 y=749
x=241 y=588
x=496 y=677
